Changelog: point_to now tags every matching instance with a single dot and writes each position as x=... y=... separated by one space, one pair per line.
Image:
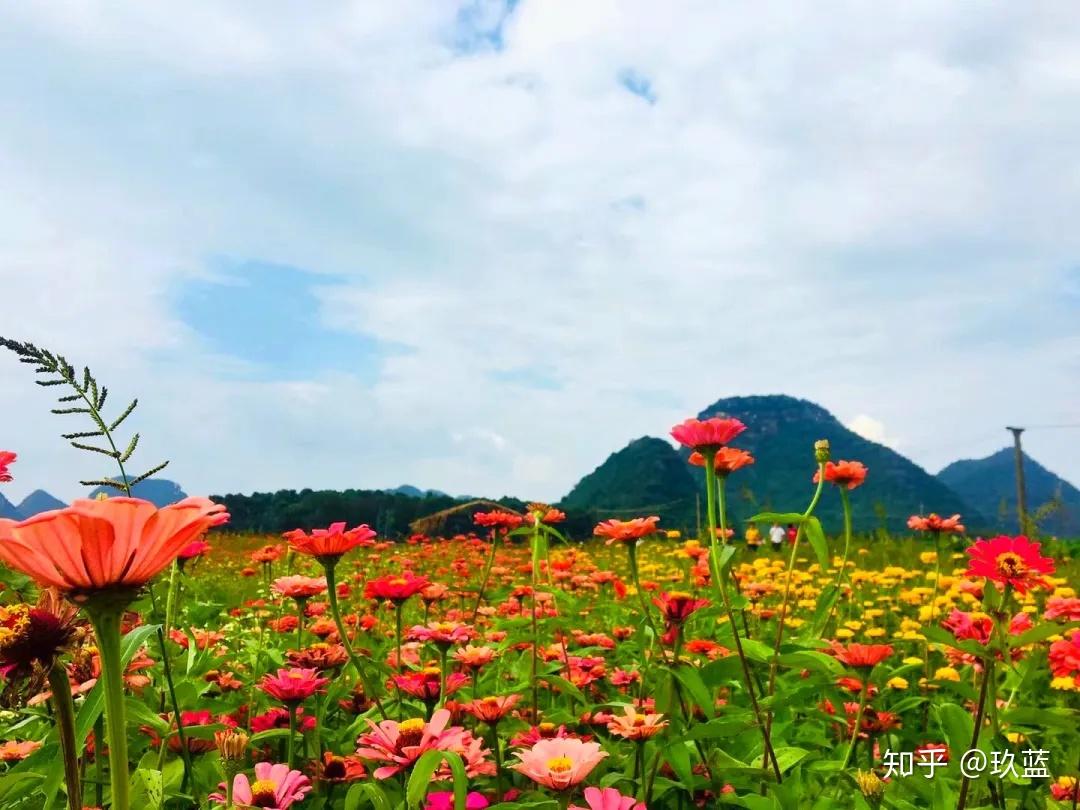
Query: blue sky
x=477 y=246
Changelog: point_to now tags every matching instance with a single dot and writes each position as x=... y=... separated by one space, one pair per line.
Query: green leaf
x=146 y=789
x=1041 y=633
x=424 y=769
x=366 y=790
x=778 y=517
x=691 y=681
x=679 y=759
x=812 y=660
x=816 y=535
x=957 y=725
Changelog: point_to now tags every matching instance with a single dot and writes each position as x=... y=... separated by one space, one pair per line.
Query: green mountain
x=781 y=431
x=650 y=476
x=646 y=477
x=159 y=491
x=989 y=484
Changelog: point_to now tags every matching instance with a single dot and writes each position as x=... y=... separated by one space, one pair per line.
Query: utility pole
x=1021 y=490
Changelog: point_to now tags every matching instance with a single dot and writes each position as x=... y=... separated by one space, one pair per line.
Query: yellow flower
x=928 y=557
x=946 y=674
x=875 y=632
x=843 y=632
x=912 y=661
x=1015 y=737
x=1065 y=683
x=897 y=683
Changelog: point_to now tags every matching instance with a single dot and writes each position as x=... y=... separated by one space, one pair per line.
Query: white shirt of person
x=777 y=535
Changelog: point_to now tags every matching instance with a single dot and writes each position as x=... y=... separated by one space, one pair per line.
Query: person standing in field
x=776 y=536
x=753 y=537
x=792 y=532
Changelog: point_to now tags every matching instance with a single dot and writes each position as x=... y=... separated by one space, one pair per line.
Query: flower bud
x=231 y=744
x=871 y=787
x=821 y=451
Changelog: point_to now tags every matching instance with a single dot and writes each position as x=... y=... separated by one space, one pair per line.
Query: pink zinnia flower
x=6 y=458
x=399 y=745
x=444 y=800
x=275 y=787
x=707 y=434
x=559 y=764
x=98 y=545
x=935 y=523
x=293 y=685
x=608 y=799
x=1061 y=607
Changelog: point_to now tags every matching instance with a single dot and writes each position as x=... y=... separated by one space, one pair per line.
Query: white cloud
x=870 y=428
x=867 y=208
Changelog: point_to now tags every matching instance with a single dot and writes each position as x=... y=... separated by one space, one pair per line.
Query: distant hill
x=159 y=491
x=39 y=501
x=416 y=492
x=648 y=475
x=8 y=510
x=781 y=431
x=989 y=484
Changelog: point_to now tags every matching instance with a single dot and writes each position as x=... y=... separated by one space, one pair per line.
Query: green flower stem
x=330 y=569
x=299 y=624
x=774 y=663
x=980 y=714
x=858 y=720
x=172 y=598
x=845 y=502
x=105 y=619
x=442 y=676
x=487 y=574
x=498 y=763
x=631 y=550
x=721 y=590
x=291 y=756
x=535 y=628
x=65 y=724
x=721 y=494
x=185 y=754
x=99 y=762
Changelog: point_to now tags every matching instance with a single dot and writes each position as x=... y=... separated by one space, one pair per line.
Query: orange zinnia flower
x=862 y=656
x=632 y=725
x=848 y=474
x=98 y=545
x=728 y=460
x=331 y=542
x=626 y=531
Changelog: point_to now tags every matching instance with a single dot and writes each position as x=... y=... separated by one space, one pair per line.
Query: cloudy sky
x=479 y=245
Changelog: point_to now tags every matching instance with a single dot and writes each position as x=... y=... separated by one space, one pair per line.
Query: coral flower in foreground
x=608 y=799
x=626 y=531
x=728 y=460
x=332 y=542
x=293 y=685
x=6 y=458
x=1012 y=561
x=862 y=656
x=98 y=545
x=275 y=787
x=298 y=587
x=935 y=523
x=848 y=474
x=707 y=434
x=559 y=763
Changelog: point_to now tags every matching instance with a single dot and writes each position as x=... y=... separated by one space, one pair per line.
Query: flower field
x=152 y=659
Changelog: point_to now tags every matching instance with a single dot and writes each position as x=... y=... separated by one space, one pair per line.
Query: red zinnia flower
x=196 y=548
x=707 y=434
x=626 y=531
x=862 y=655
x=1012 y=561
x=293 y=685
x=848 y=474
x=498 y=520
x=331 y=542
x=395 y=588
x=545 y=514
x=6 y=458
x=937 y=524
x=728 y=460
x=298 y=587
x=491 y=710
